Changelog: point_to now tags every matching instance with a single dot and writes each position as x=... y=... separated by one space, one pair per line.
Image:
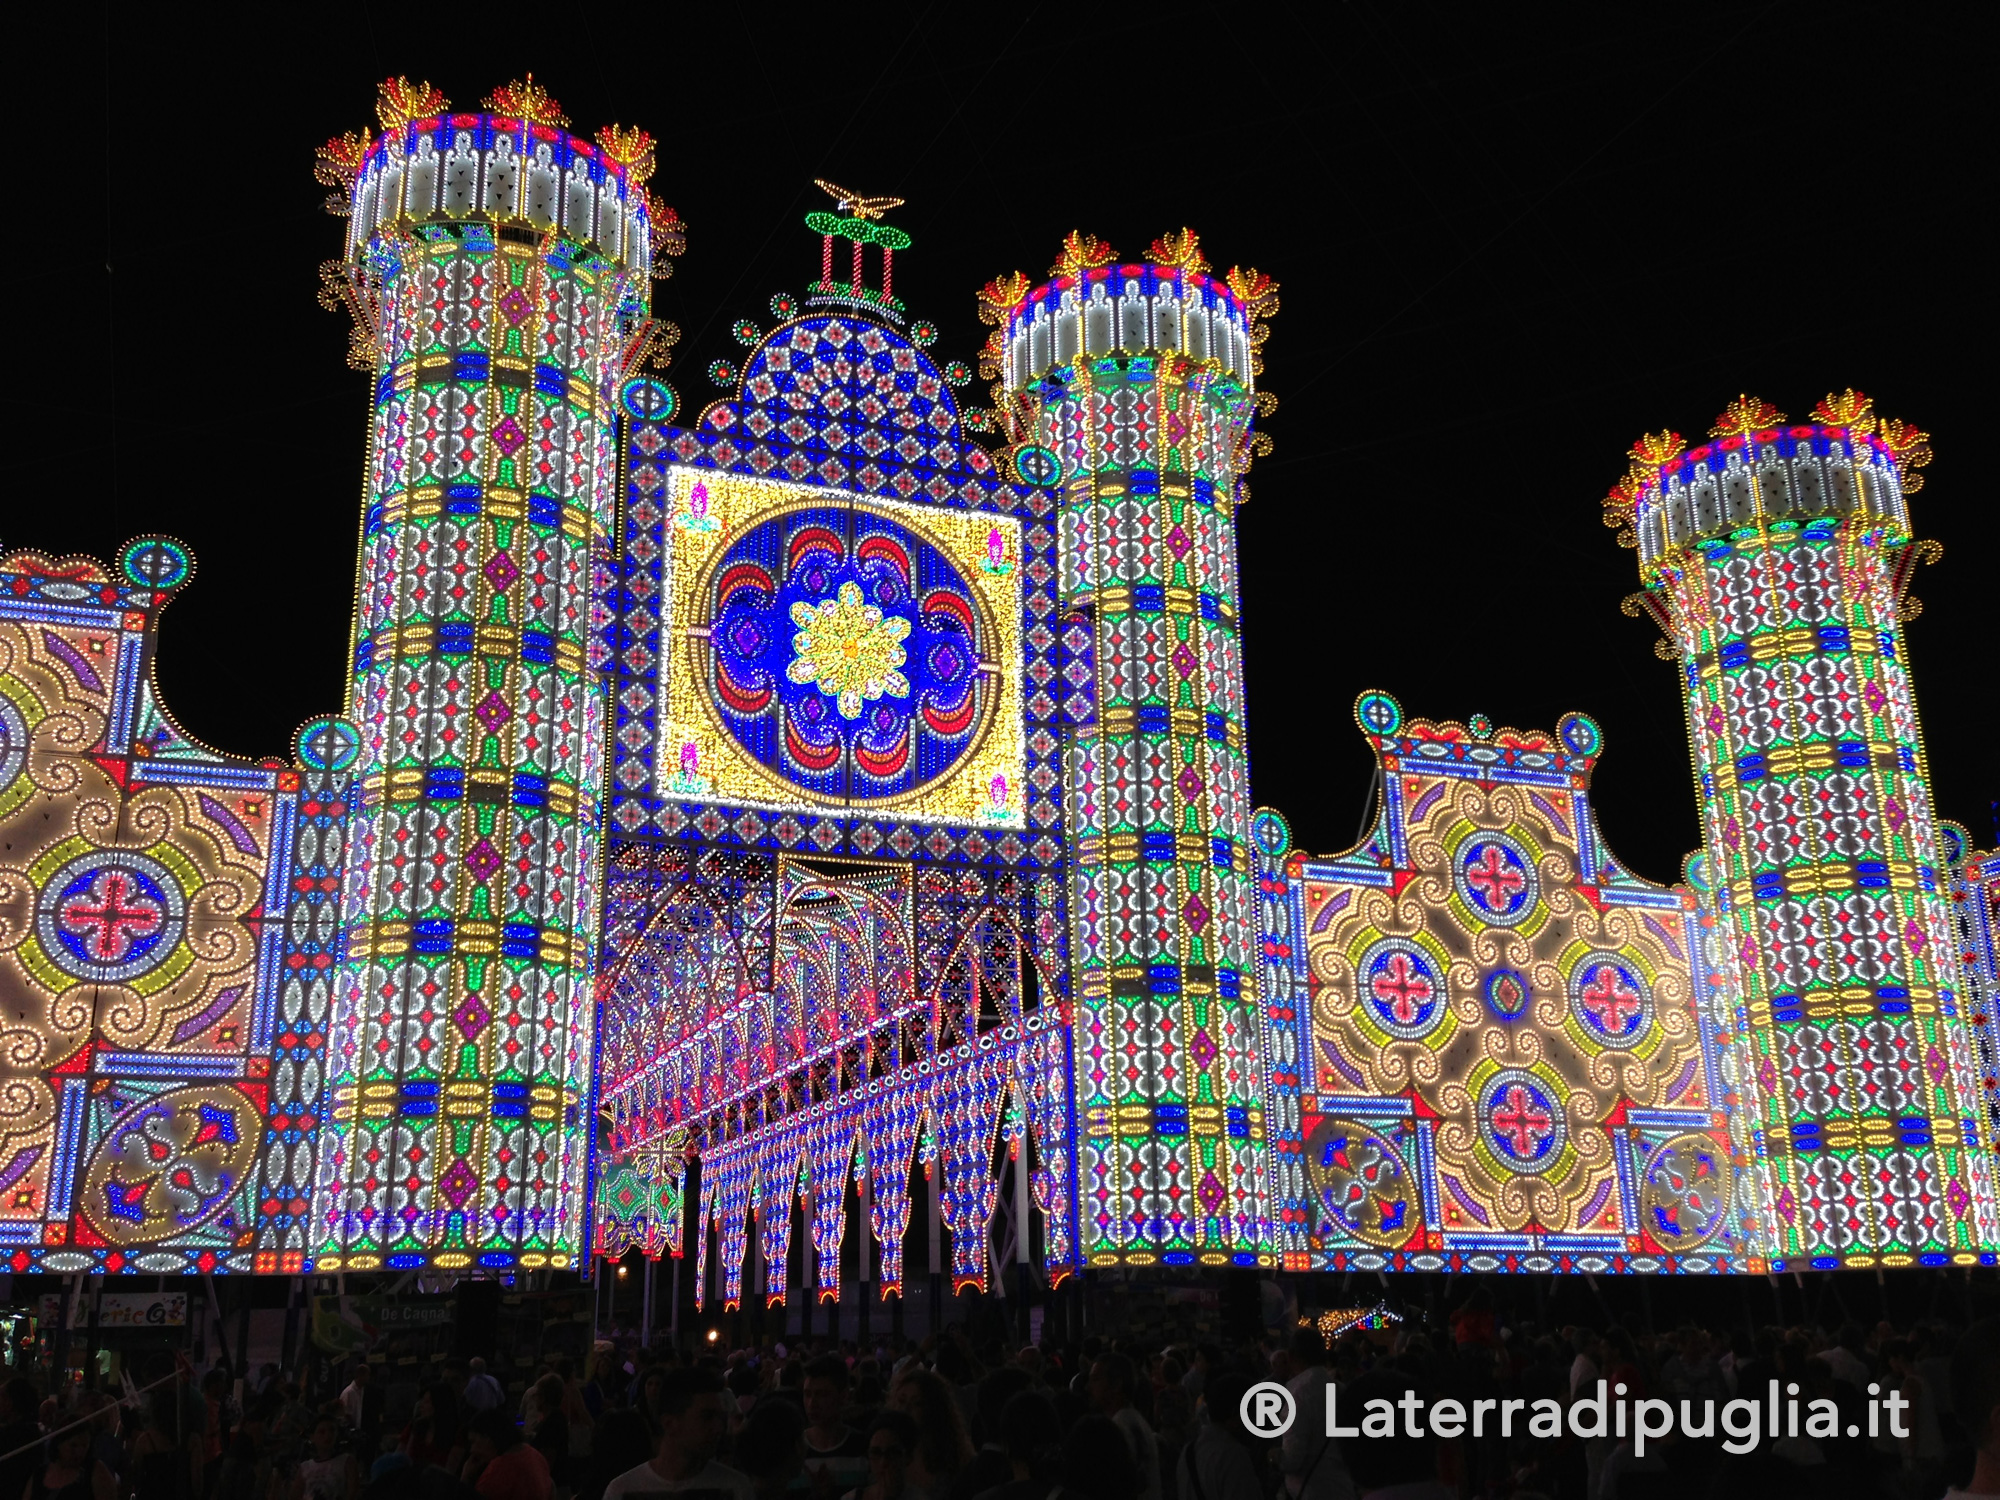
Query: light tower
x=1777 y=558
x=1129 y=391
x=497 y=270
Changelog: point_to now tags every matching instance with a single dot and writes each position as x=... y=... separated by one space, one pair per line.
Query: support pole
x=864 y=1260
x=646 y=1269
x=1024 y=1267
x=674 y=1318
x=810 y=1289
x=932 y=1171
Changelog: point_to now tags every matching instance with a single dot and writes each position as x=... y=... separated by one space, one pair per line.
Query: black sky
x=1509 y=239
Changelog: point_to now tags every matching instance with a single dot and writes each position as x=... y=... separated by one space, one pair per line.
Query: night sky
x=1509 y=240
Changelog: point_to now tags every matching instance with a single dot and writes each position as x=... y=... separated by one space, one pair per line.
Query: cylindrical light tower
x=1777 y=558
x=1130 y=390
x=498 y=270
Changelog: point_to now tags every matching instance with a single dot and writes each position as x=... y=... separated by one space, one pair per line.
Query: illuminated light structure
x=497 y=270
x=1777 y=558
x=835 y=913
x=1488 y=1043
x=1975 y=911
x=1128 y=389
x=900 y=782
x=166 y=946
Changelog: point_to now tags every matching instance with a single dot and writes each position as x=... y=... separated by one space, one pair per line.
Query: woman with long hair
x=943 y=1446
x=434 y=1437
x=71 y=1473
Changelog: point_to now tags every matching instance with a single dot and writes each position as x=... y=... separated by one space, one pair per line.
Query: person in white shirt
x=1583 y=1370
x=1309 y=1459
x=1111 y=1383
x=1217 y=1465
x=692 y=1424
x=1845 y=1360
x=353 y=1400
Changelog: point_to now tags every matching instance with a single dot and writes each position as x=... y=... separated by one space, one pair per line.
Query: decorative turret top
x=1095 y=305
x=1757 y=469
x=859 y=223
x=512 y=164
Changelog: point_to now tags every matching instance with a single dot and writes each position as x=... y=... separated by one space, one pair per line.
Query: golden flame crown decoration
x=1849 y=409
x=398 y=101
x=529 y=100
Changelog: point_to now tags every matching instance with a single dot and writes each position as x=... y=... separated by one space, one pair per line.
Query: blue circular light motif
x=1402 y=989
x=1610 y=995
x=802 y=593
x=649 y=400
x=1271 y=833
x=1495 y=878
x=1520 y=1122
x=110 y=915
x=1507 y=994
x=329 y=744
x=155 y=562
x=1378 y=713
x=1038 y=466
x=1580 y=734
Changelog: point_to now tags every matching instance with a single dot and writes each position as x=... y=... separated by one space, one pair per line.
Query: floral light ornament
x=995 y=561
x=851 y=649
x=996 y=808
x=697 y=517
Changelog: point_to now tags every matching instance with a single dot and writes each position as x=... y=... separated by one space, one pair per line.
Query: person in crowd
x=893 y=1440
x=354 y=1396
x=1308 y=1458
x=1975 y=1402
x=70 y=1472
x=942 y=1446
x=989 y=1465
x=1402 y=1466
x=1218 y=1464
x=621 y=1440
x=692 y=1422
x=1030 y=1434
x=646 y=1395
x=1584 y=1370
x=1111 y=1394
x=19 y=1430
x=546 y=1425
x=501 y=1465
x=1846 y=1356
x=1096 y=1462
x=327 y=1471
x=836 y=1455
x=771 y=1448
x=1922 y=1450
x=432 y=1438
x=482 y=1391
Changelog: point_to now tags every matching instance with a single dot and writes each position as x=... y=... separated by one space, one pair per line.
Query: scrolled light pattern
x=164 y=942
x=1489 y=1044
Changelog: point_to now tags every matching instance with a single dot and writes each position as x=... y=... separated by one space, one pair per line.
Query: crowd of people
x=1104 y=1419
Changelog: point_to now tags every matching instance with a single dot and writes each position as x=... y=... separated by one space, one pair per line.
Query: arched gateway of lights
x=810 y=795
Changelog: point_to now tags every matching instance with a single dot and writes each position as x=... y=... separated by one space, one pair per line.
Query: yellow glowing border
x=729 y=776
